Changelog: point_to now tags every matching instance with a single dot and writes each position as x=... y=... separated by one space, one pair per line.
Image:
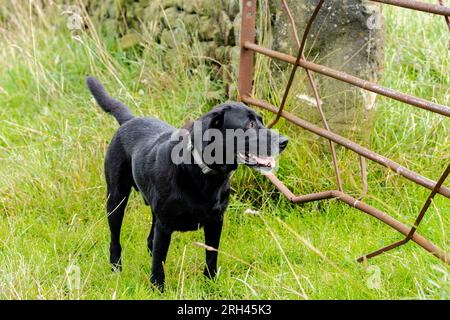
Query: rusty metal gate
x=249 y=48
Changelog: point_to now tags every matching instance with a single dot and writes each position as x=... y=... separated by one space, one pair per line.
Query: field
x=54 y=237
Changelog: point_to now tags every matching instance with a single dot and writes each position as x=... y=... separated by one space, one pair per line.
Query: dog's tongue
x=266 y=162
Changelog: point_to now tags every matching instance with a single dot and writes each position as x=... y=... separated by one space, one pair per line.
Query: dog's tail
x=120 y=111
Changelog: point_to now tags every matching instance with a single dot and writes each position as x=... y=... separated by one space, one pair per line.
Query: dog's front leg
x=161 y=241
x=212 y=229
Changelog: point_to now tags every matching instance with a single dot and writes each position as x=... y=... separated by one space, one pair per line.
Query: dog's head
x=233 y=133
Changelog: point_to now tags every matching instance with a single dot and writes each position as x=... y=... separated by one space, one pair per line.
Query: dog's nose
x=283 y=143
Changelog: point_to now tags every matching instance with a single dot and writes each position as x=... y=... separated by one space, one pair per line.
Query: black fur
x=110 y=105
x=181 y=196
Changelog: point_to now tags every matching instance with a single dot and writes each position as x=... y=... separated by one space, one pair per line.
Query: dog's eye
x=251 y=124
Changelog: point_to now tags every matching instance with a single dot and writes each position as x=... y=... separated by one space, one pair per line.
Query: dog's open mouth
x=265 y=164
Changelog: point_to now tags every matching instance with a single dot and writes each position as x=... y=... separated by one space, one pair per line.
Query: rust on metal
x=246 y=57
x=394 y=166
x=301 y=45
x=395 y=224
x=342 y=76
x=248 y=47
x=419 y=6
x=447 y=20
x=419 y=218
x=447 y=17
x=299 y=56
x=298 y=199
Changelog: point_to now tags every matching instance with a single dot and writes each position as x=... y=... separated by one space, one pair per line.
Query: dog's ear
x=214 y=119
x=217 y=120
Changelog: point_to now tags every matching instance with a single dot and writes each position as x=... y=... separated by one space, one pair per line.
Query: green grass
x=52 y=193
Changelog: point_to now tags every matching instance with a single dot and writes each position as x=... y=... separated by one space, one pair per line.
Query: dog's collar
x=198 y=158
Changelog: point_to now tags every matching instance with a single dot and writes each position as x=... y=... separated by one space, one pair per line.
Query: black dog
x=183 y=196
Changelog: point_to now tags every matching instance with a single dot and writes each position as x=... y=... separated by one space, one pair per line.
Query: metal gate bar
x=248 y=48
x=342 y=76
x=419 y=6
x=301 y=46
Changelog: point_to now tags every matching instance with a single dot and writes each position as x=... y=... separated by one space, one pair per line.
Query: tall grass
x=53 y=138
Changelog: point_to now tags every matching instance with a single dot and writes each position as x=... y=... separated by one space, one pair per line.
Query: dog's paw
x=157 y=283
x=116 y=267
x=209 y=274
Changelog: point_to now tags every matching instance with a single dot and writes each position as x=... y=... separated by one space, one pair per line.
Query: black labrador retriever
x=183 y=195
